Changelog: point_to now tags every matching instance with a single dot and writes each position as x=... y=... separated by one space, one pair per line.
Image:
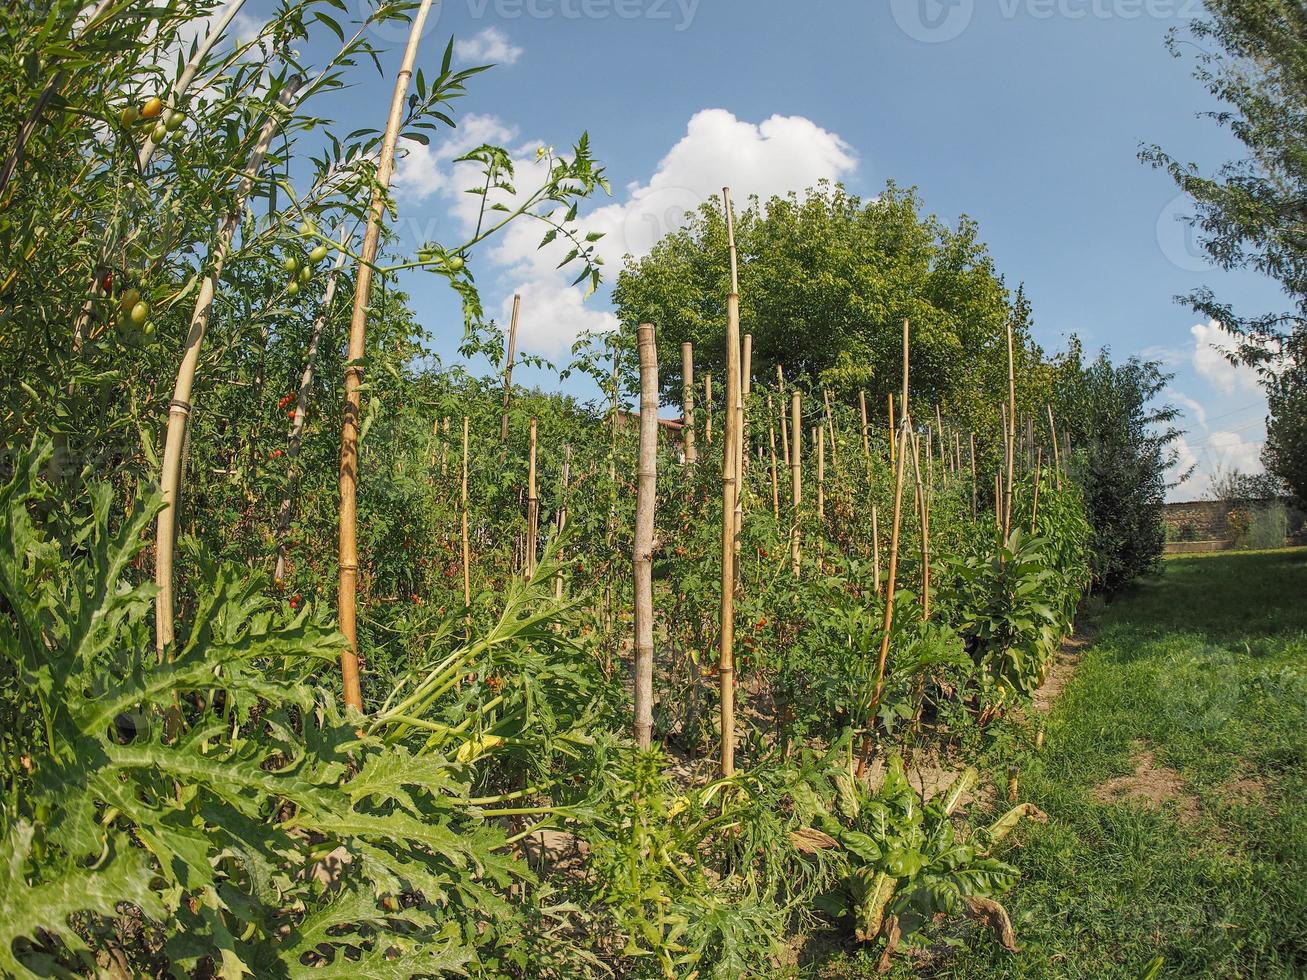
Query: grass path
x=1174 y=774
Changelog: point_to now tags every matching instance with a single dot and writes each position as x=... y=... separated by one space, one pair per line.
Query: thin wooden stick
x=923 y=516
x=467 y=553
x=975 y=491
x=707 y=399
x=830 y=424
x=687 y=404
x=1034 y=504
x=866 y=435
x=1012 y=423
x=532 y=507
x=730 y=496
x=179 y=409
x=349 y=451
x=562 y=513
x=508 y=368
x=796 y=482
x=888 y=622
x=785 y=427
x=875 y=545
x=1057 y=455
x=819 y=442
x=892 y=432
x=742 y=428
x=642 y=550
x=775 y=477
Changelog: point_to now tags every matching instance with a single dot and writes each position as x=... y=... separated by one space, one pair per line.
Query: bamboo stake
x=830 y=424
x=562 y=513
x=179 y=409
x=893 y=434
x=687 y=404
x=532 y=507
x=508 y=368
x=775 y=478
x=467 y=557
x=742 y=428
x=888 y=622
x=785 y=428
x=1057 y=456
x=707 y=398
x=1034 y=504
x=349 y=449
x=730 y=502
x=642 y=550
x=875 y=545
x=1012 y=423
x=295 y=441
x=796 y=483
x=819 y=442
x=923 y=516
x=975 y=491
x=866 y=436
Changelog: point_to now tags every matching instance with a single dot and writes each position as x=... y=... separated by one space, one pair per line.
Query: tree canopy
x=826 y=279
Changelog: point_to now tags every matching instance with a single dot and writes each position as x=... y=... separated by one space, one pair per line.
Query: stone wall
x=1204 y=525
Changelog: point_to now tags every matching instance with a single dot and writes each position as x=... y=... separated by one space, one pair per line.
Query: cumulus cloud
x=1209 y=360
x=775 y=156
x=490 y=46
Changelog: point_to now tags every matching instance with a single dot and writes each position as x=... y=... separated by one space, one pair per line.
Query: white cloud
x=489 y=46
x=1231 y=451
x=778 y=155
x=1194 y=408
x=1209 y=360
x=552 y=317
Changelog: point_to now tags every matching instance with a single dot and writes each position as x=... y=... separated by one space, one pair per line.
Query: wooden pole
x=975 y=491
x=730 y=501
x=1012 y=426
x=819 y=443
x=508 y=368
x=1034 y=503
x=775 y=477
x=562 y=514
x=785 y=428
x=830 y=424
x=532 y=507
x=687 y=404
x=642 y=551
x=875 y=545
x=1057 y=455
x=923 y=516
x=866 y=435
x=893 y=434
x=888 y=622
x=707 y=399
x=467 y=557
x=742 y=428
x=796 y=482
x=295 y=441
x=179 y=409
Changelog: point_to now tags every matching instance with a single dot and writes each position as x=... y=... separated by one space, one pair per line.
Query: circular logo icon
x=933 y=21
x=654 y=213
x=1178 y=238
x=391 y=28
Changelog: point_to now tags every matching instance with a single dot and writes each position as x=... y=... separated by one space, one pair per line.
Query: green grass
x=1206 y=668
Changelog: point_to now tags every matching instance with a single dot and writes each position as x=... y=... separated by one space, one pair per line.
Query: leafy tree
x=1123 y=444
x=825 y=281
x=1250 y=214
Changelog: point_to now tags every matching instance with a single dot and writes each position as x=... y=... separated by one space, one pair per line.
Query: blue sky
x=1025 y=114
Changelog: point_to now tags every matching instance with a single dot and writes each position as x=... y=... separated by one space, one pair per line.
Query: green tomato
x=290 y=264
x=129 y=299
x=174 y=121
x=129 y=116
x=292 y=288
x=455 y=263
x=319 y=253
x=148 y=329
x=159 y=133
x=306 y=273
x=140 y=312
x=307 y=229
